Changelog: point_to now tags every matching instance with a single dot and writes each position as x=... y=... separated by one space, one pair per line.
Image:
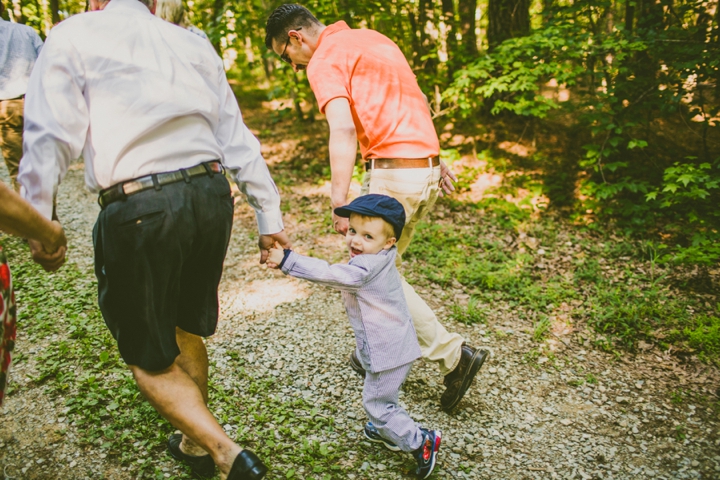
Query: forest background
x=598 y=114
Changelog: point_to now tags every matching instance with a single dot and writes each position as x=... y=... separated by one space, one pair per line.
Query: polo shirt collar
x=127 y=4
x=330 y=29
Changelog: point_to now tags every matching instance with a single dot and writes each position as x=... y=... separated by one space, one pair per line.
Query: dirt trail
x=584 y=415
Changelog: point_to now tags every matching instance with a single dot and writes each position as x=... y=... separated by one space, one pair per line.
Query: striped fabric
x=372 y=290
x=380 y=399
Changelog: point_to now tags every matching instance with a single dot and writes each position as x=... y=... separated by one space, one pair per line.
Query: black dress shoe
x=247 y=466
x=202 y=466
x=459 y=380
x=356 y=365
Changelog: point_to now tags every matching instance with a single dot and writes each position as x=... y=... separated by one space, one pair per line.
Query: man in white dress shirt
x=148 y=106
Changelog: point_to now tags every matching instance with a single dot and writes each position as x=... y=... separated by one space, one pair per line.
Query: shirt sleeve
x=340 y=276
x=242 y=157
x=56 y=122
x=37 y=43
x=328 y=79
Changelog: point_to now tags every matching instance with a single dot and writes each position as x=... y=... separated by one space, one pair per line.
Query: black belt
x=122 y=190
x=390 y=163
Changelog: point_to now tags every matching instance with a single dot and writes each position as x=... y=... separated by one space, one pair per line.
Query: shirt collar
x=128 y=4
x=330 y=29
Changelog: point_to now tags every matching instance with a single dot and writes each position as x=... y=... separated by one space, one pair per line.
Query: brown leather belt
x=122 y=190
x=386 y=163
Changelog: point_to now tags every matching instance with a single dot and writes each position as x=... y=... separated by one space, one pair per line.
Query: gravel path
x=583 y=414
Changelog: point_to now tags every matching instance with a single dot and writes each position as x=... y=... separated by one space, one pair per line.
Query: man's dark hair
x=288 y=17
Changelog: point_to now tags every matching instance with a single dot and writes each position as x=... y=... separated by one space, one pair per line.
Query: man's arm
x=56 y=122
x=343 y=150
x=243 y=159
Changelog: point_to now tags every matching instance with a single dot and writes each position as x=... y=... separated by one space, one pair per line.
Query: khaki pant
x=11 y=128
x=417 y=190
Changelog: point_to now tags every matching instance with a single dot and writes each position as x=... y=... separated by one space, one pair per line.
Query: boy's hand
x=266 y=242
x=275 y=257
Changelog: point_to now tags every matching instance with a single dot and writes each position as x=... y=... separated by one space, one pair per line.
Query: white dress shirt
x=19 y=48
x=135 y=95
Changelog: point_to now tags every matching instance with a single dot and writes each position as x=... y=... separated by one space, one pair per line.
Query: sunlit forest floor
x=603 y=363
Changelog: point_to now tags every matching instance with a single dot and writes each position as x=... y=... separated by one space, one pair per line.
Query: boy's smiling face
x=368 y=235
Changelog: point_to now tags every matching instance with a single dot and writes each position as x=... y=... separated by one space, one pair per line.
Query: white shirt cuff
x=269 y=222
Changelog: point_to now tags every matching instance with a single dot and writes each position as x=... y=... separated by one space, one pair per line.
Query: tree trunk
x=507 y=19
x=629 y=15
x=467 y=9
x=347 y=8
x=55 y=11
x=649 y=19
x=415 y=37
x=717 y=43
x=425 y=14
x=218 y=12
x=448 y=9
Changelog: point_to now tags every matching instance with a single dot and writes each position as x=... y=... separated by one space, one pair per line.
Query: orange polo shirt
x=389 y=110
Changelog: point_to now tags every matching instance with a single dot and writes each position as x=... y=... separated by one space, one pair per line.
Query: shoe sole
x=436 y=448
x=356 y=367
x=392 y=448
x=477 y=360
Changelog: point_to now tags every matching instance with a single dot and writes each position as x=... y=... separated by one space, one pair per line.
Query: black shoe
x=459 y=380
x=202 y=466
x=356 y=365
x=247 y=466
x=426 y=455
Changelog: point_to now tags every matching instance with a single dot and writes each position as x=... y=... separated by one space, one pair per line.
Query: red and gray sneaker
x=372 y=434
x=426 y=454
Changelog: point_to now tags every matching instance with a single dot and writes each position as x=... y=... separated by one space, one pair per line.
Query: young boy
x=384 y=334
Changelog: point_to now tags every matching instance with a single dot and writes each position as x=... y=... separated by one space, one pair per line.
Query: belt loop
x=208 y=169
x=430 y=163
x=186 y=177
x=156 y=183
x=372 y=164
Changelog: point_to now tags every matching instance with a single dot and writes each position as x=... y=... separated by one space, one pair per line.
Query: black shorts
x=158 y=261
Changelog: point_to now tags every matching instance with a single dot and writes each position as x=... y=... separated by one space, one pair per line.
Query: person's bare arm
x=343 y=150
x=46 y=238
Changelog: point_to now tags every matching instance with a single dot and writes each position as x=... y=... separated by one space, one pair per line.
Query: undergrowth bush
x=629 y=84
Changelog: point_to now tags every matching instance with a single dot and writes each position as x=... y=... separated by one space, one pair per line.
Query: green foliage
x=509 y=77
x=702 y=335
x=541 y=329
x=625 y=82
x=471 y=314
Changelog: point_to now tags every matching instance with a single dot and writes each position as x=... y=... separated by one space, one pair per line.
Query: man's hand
x=266 y=242
x=340 y=224
x=49 y=261
x=447 y=177
x=50 y=253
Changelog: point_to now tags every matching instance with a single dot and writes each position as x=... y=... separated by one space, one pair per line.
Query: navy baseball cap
x=375 y=205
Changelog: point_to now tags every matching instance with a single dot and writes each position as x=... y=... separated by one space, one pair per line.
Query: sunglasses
x=283 y=56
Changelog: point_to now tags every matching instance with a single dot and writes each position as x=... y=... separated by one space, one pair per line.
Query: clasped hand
x=276 y=241
x=51 y=254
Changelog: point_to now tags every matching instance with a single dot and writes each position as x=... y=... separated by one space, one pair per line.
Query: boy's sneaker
x=372 y=434
x=426 y=455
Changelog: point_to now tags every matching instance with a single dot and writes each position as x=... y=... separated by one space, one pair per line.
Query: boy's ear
x=390 y=242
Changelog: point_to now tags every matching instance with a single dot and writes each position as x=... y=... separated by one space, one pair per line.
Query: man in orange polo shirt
x=369 y=94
